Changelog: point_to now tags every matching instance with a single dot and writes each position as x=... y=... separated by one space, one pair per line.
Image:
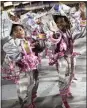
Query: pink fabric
x=55 y=41
x=53 y=57
x=75 y=54
x=65 y=102
x=63 y=46
x=31 y=61
x=8 y=75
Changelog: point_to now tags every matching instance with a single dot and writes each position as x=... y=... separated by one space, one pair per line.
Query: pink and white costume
x=18 y=67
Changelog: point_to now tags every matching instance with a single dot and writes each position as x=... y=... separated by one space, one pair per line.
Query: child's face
x=61 y=24
x=19 y=32
x=38 y=21
x=14 y=18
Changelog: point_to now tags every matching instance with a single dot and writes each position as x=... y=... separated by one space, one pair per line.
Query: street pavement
x=48 y=91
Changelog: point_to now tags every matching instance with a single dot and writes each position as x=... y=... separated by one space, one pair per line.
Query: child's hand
x=27 y=38
x=33 y=44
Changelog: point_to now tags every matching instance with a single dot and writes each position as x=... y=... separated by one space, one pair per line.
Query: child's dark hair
x=15 y=13
x=13 y=28
x=55 y=17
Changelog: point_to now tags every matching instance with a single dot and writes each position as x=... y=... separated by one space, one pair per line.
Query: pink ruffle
x=31 y=61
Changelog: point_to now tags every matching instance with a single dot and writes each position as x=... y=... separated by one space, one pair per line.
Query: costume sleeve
x=12 y=51
x=78 y=31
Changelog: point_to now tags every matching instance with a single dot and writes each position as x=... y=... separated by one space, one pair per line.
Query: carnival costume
x=18 y=67
x=62 y=47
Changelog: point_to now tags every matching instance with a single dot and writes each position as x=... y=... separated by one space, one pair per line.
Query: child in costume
x=63 y=48
x=22 y=65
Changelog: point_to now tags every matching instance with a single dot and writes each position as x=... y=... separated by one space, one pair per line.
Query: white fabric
x=12 y=49
x=53 y=26
x=64 y=7
x=25 y=86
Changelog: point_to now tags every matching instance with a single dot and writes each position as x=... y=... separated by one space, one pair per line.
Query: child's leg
x=35 y=75
x=65 y=102
x=19 y=86
x=73 y=60
x=57 y=66
x=63 y=88
x=24 y=89
x=72 y=70
x=68 y=71
x=74 y=63
x=32 y=92
x=69 y=95
x=68 y=66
